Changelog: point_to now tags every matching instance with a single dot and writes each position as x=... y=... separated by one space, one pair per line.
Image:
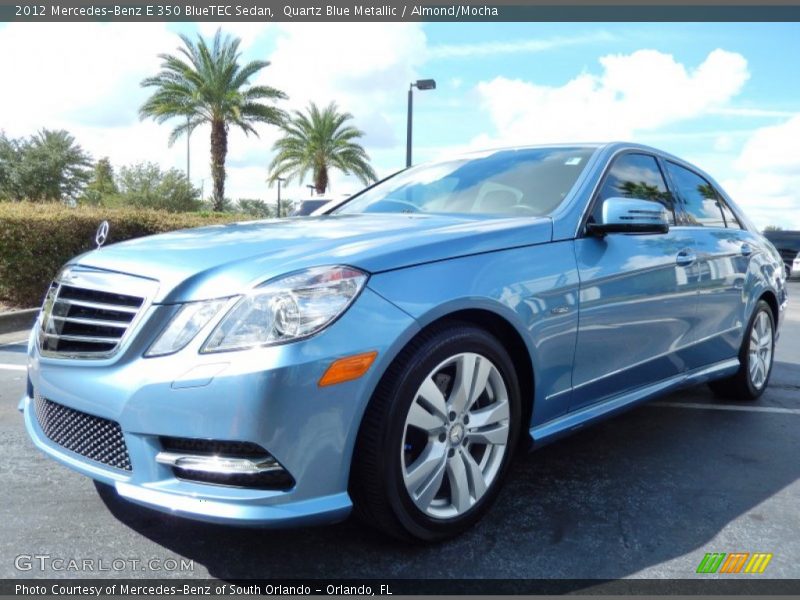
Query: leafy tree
x=8 y=158
x=207 y=85
x=145 y=185
x=258 y=209
x=773 y=228
x=102 y=184
x=48 y=166
x=318 y=141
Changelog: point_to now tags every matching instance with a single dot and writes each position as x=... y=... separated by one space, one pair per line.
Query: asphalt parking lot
x=644 y=495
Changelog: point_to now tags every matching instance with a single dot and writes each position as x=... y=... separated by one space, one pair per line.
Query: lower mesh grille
x=97 y=439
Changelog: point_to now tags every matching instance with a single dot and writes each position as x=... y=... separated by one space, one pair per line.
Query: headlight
x=186 y=324
x=287 y=309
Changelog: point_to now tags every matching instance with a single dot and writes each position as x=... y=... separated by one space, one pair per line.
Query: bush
x=36 y=240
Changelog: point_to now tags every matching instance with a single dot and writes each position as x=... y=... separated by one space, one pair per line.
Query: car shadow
x=655 y=484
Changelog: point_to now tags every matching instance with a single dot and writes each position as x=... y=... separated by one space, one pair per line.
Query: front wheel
x=755 y=357
x=438 y=435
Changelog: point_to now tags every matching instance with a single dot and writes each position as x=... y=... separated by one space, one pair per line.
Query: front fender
x=534 y=288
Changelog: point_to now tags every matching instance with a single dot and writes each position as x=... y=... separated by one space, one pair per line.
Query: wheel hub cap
x=456 y=434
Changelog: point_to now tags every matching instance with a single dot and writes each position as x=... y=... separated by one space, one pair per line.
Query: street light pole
x=188 y=137
x=421 y=85
x=311 y=189
x=409 y=129
x=280 y=180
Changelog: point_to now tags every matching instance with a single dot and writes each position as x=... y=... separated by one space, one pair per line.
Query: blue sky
x=725 y=96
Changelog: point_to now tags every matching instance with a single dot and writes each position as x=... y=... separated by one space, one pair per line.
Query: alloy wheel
x=760 y=351
x=455 y=435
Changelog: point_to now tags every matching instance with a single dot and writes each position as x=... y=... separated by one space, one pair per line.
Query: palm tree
x=318 y=141
x=208 y=85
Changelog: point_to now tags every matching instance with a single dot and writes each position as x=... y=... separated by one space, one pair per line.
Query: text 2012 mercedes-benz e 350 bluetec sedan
x=392 y=354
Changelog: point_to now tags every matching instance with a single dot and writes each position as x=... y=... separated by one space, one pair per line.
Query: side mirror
x=631 y=215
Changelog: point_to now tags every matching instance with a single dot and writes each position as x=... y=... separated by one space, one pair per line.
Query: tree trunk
x=321 y=180
x=219 y=149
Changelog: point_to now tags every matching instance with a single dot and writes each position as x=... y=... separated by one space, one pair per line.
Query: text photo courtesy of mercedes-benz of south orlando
x=385 y=299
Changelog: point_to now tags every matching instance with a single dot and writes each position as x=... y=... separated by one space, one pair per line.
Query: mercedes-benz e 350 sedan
x=392 y=354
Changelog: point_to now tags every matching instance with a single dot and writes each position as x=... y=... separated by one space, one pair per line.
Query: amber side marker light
x=348 y=368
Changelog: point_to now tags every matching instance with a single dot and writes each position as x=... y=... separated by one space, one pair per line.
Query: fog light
x=238 y=464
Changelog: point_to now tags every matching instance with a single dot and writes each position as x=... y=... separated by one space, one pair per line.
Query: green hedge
x=37 y=239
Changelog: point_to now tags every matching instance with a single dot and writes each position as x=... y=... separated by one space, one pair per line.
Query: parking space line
x=13 y=367
x=701 y=406
x=15 y=343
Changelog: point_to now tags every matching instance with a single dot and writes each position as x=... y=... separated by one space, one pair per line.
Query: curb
x=17 y=320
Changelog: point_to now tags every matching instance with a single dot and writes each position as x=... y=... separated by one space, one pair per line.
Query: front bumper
x=267 y=396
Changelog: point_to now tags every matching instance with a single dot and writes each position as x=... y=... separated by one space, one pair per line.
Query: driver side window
x=634 y=176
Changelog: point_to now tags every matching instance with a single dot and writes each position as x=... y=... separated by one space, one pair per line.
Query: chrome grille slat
x=83 y=338
x=84 y=321
x=98 y=305
x=89 y=312
x=95 y=438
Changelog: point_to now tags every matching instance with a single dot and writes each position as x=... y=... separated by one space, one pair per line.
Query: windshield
x=531 y=181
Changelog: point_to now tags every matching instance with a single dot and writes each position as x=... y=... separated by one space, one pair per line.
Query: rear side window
x=701 y=201
x=634 y=176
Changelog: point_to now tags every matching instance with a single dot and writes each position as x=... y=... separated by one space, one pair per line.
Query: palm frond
x=317 y=140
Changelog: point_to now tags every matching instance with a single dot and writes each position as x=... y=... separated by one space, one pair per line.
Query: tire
x=429 y=460
x=758 y=345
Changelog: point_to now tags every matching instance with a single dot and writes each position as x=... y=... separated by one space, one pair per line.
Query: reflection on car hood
x=223 y=260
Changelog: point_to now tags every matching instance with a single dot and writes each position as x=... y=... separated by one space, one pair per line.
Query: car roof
x=611 y=147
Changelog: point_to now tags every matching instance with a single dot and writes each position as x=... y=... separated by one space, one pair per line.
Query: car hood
x=223 y=260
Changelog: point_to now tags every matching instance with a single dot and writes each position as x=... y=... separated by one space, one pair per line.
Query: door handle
x=685 y=258
x=746 y=249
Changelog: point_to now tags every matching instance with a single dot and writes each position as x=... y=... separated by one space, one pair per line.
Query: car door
x=637 y=293
x=723 y=251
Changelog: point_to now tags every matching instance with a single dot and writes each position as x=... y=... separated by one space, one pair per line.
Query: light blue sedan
x=391 y=355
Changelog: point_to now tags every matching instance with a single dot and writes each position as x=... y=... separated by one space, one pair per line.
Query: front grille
x=95 y=438
x=86 y=314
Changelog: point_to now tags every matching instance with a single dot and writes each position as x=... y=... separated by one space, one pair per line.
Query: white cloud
x=246 y=31
x=358 y=66
x=723 y=142
x=528 y=45
x=767 y=184
x=87 y=73
x=734 y=111
x=636 y=92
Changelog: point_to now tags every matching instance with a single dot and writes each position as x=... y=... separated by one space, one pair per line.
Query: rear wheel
x=755 y=357
x=437 y=438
